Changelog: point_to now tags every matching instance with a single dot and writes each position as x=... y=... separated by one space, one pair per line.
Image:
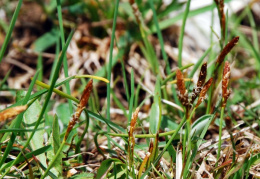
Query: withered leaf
x=11 y=112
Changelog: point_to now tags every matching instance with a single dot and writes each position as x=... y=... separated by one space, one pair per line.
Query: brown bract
x=203 y=92
x=12 y=112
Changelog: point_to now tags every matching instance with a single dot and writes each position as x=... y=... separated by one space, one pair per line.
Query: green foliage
x=23 y=137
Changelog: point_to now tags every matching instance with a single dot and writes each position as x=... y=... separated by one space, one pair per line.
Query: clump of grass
x=179 y=150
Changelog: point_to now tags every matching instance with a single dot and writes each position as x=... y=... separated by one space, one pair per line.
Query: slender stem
x=110 y=64
x=10 y=30
x=182 y=33
x=144 y=135
x=220 y=133
x=189 y=129
x=65 y=63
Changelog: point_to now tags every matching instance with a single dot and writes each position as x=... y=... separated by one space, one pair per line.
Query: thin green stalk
x=220 y=133
x=57 y=53
x=144 y=135
x=189 y=124
x=186 y=12
x=5 y=78
x=159 y=34
x=125 y=80
x=110 y=64
x=198 y=64
x=10 y=30
x=118 y=103
x=39 y=66
x=211 y=58
x=254 y=29
x=65 y=63
x=77 y=150
x=131 y=97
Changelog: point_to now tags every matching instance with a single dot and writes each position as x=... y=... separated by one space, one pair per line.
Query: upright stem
x=110 y=65
x=220 y=133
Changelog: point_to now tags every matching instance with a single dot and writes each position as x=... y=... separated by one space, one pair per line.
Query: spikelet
x=225 y=82
x=83 y=102
x=200 y=83
x=226 y=50
x=183 y=96
x=131 y=139
x=203 y=92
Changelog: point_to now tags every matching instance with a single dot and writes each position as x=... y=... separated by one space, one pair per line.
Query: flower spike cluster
x=199 y=91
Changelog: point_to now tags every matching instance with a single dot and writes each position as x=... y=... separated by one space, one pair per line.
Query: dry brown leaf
x=11 y=112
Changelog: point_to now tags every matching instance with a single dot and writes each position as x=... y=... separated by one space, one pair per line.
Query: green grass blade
x=156 y=110
x=109 y=69
x=18 y=130
x=131 y=97
x=198 y=64
x=180 y=45
x=54 y=140
x=10 y=30
x=125 y=80
x=159 y=34
x=65 y=63
x=5 y=78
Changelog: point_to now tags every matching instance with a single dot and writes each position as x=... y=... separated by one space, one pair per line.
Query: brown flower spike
x=225 y=82
x=203 y=92
x=131 y=139
x=227 y=49
x=200 y=83
x=83 y=102
x=183 y=97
